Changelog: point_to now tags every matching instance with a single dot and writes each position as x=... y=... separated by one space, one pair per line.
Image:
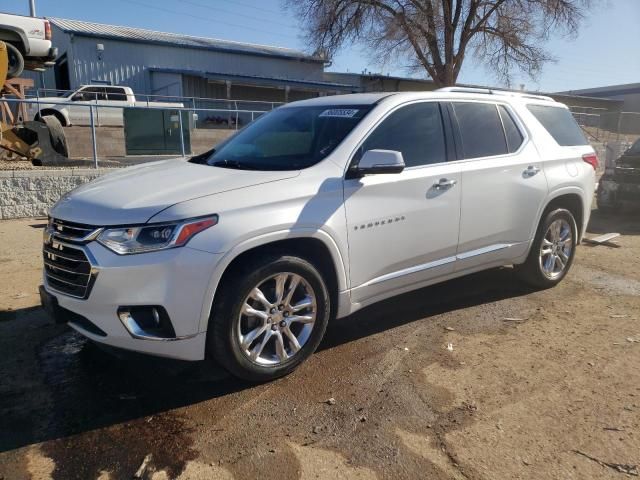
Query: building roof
x=131 y=34
x=260 y=80
x=607 y=91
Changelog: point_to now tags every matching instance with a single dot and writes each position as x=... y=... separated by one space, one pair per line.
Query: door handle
x=444 y=183
x=530 y=171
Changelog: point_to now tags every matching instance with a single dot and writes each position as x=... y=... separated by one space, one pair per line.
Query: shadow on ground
x=82 y=388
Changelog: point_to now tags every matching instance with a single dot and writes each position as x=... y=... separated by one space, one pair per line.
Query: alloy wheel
x=556 y=248
x=276 y=319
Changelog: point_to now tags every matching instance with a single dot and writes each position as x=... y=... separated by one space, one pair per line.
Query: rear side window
x=480 y=129
x=117 y=94
x=560 y=124
x=511 y=130
x=415 y=130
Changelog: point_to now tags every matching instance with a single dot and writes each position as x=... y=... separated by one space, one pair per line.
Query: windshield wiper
x=235 y=164
x=202 y=157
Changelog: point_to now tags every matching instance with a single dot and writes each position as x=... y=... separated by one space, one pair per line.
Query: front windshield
x=289 y=138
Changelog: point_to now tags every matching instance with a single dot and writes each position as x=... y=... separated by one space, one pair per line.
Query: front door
x=79 y=111
x=403 y=228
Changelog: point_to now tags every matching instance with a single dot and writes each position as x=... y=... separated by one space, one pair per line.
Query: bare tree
x=437 y=35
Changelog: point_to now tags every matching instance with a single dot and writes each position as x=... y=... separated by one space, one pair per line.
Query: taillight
x=47 y=30
x=591 y=159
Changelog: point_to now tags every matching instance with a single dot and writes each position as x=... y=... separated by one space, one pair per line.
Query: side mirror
x=78 y=97
x=380 y=161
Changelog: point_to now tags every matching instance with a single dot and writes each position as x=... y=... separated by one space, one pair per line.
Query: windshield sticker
x=340 y=112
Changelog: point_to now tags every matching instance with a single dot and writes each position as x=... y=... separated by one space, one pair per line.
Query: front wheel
x=552 y=251
x=268 y=317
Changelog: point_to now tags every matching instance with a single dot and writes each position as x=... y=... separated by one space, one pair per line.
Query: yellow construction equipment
x=34 y=141
x=4 y=63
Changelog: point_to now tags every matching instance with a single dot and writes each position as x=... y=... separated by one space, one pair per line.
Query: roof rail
x=493 y=91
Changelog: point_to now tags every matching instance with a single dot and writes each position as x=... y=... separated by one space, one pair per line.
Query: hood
x=135 y=194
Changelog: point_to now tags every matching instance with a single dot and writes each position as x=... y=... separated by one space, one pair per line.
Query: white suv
x=313 y=211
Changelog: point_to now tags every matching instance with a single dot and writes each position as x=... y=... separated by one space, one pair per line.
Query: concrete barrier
x=30 y=193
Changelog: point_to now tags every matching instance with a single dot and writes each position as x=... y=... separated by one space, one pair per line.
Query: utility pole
x=32 y=8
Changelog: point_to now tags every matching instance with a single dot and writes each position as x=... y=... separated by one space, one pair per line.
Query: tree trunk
x=445 y=76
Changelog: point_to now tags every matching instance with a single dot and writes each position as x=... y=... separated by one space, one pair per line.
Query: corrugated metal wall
x=126 y=63
x=202 y=88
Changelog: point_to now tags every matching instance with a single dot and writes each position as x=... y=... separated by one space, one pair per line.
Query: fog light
x=147 y=322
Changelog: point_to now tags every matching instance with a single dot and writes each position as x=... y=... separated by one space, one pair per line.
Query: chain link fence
x=98 y=132
x=610 y=133
x=102 y=134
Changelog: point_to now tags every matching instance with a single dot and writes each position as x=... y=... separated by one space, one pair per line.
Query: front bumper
x=176 y=279
x=612 y=193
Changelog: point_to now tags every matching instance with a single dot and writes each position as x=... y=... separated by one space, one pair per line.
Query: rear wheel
x=16 y=61
x=268 y=318
x=56 y=134
x=552 y=251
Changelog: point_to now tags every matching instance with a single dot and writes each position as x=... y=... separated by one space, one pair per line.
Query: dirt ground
x=538 y=385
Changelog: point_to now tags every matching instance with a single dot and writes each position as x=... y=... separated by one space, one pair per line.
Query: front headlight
x=149 y=238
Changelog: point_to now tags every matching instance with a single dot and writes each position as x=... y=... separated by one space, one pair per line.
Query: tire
x=535 y=271
x=230 y=324
x=16 y=61
x=56 y=134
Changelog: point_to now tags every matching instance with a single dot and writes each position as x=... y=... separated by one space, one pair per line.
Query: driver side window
x=414 y=130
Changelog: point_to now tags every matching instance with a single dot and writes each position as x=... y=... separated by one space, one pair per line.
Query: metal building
x=158 y=63
x=371 y=82
x=628 y=93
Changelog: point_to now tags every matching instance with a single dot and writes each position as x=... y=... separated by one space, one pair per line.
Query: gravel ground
x=539 y=385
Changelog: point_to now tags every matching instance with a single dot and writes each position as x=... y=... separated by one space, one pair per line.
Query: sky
x=606 y=51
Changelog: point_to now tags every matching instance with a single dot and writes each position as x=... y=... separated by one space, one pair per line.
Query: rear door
x=503 y=183
x=403 y=228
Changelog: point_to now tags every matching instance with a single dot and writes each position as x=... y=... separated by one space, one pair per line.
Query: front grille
x=67 y=269
x=66 y=265
x=73 y=232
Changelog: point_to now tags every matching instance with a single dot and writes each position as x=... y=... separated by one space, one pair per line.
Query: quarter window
x=480 y=129
x=415 y=130
x=560 y=124
x=511 y=130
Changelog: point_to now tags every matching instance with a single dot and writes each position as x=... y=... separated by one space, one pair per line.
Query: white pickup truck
x=72 y=108
x=28 y=41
